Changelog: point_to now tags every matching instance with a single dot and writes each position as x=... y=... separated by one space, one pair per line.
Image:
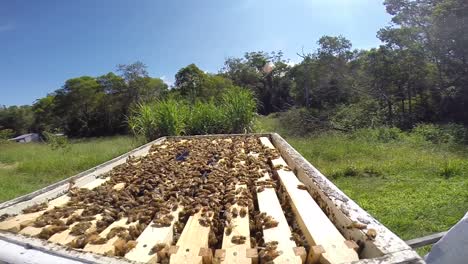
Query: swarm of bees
x=216 y=177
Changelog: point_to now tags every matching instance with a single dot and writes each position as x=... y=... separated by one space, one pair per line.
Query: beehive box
x=201 y=199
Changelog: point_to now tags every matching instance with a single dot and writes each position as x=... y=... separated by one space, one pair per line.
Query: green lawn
x=28 y=167
x=401 y=182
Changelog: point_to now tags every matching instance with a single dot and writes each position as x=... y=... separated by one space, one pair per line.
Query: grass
x=413 y=187
x=27 y=167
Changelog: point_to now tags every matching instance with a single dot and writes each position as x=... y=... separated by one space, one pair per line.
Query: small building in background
x=32 y=137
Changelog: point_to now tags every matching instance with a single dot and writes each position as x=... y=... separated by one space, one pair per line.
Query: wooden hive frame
x=350 y=222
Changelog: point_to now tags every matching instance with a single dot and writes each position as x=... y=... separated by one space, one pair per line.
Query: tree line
x=419 y=74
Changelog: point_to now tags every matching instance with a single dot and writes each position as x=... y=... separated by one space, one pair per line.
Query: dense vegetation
x=418 y=75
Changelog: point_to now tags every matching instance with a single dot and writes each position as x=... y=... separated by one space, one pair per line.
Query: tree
x=322 y=79
x=78 y=103
x=17 y=118
x=44 y=117
x=189 y=82
x=265 y=74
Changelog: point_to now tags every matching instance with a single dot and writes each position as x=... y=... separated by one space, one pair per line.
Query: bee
x=71 y=183
x=95 y=239
x=238 y=240
x=243 y=212
x=269 y=222
x=296 y=238
x=253 y=242
x=5 y=216
x=357 y=225
x=302 y=187
x=80 y=228
x=79 y=242
x=135 y=230
x=158 y=247
x=49 y=231
x=121 y=247
x=278 y=166
x=371 y=234
x=260 y=189
x=212 y=240
x=228 y=229
x=116 y=231
x=234 y=212
x=35 y=208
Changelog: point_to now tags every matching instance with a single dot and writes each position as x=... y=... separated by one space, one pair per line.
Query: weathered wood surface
x=237 y=253
x=194 y=238
x=16 y=223
x=268 y=203
x=317 y=228
x=149 y=238
x=108 y=247
x=65 y=237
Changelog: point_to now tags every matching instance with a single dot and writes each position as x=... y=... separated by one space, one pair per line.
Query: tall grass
x=165 y=117
x=239 y=108
x=206 y=118
x=234 y=113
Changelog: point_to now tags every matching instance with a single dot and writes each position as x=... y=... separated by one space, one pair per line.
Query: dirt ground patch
x=6 y=166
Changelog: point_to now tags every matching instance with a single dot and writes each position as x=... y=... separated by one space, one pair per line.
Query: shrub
x=387 y=134
x=433 y=133
x=381 y=134
x=302 y=121
x=142 y=122
x=171 y=117
x=6 y=134
x=363 y=114
x=238 y=107
x=56 y=141
x=206 y=118
x=161 y=118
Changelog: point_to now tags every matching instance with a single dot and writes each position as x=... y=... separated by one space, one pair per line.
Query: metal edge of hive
x=343 y=211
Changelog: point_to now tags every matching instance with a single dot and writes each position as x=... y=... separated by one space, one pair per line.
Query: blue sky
x=43 y=43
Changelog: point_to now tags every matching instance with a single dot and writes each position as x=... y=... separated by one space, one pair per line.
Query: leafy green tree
x=44 y=117
x=78 y=104
x=17 y=118
x=189 y=82
x=265 y=74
